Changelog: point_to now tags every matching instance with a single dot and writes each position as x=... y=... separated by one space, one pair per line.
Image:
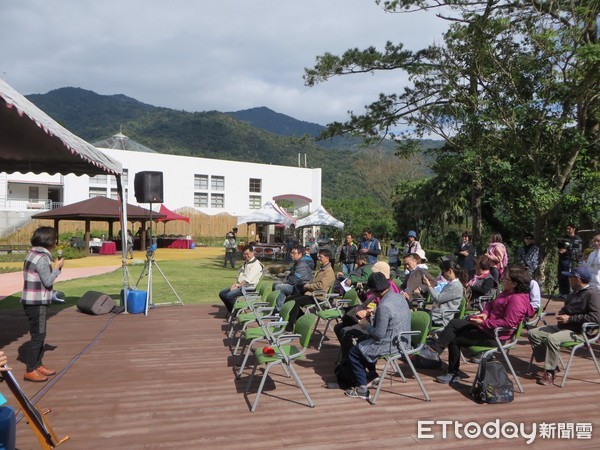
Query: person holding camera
x=568 y=248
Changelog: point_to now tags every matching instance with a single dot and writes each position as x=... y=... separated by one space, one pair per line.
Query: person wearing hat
x=230 y=245
x=391 y=317
x=582 y=305
x=412 y=245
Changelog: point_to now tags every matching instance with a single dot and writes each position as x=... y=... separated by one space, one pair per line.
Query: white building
x=211 y=186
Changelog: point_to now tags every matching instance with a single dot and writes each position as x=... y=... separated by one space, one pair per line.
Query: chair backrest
x=419 y=321
x=286 y=309
x=462 y=308
x=265 y=290
x=304 y=327
x=352 y=295
x=272 y=298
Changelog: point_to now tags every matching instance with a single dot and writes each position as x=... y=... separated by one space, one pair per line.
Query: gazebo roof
x=101 y=209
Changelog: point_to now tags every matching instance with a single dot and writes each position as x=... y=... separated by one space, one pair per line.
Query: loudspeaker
x=148 y=187
x=95 y=303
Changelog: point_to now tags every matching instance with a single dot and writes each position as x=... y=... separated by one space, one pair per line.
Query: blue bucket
x=8 y=430
x=136 y=302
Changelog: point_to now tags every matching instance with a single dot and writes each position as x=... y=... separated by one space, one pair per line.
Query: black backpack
x=345 y=375
x=492 y=384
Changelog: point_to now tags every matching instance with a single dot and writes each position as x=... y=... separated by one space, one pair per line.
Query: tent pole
x=123 y=214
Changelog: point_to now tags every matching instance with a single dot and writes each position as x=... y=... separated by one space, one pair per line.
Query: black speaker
x=95 y=303
x=148 y=187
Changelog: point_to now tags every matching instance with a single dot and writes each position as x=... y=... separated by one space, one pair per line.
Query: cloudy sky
x=199 y=55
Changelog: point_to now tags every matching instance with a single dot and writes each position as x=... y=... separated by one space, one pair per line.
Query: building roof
x=31 y=141
x=121 y=142
x=101 y=209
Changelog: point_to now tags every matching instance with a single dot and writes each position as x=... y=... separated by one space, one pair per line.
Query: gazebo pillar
x=56 y=229
x=86 y=236
x=110 y=231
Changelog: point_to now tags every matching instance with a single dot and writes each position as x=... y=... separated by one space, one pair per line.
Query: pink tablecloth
x=181 y=243
x=108 y=248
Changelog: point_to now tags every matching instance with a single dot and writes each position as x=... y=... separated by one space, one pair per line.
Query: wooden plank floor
x=166 y=381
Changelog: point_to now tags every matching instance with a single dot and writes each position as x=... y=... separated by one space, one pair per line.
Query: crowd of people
x=388 y=291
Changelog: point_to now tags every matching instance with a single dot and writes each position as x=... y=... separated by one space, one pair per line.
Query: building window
x=255 y=185
x=255 y=201
x=217 y=201
x=200 y=200
x=97 y=192
x=34 y=193
x=217 y=183
x=99 y=179
x=114 y=194
x=201 y=182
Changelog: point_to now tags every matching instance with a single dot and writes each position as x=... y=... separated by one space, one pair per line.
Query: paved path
x=13 y=282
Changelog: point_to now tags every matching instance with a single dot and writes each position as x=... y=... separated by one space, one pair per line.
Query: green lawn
x=195 y=281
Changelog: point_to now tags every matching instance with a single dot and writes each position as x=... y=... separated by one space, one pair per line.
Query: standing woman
x=593 y=264
x=498 y=256
x=465 y=255
x=39 y=276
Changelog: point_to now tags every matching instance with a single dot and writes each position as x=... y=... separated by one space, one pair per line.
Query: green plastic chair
x=420 y=322
x=349 y=300
x=285 y=354
x=244 y=303
x=450 y=314
x=269 y=328
x=257 y=308
x=589 y=328
x=502 y=347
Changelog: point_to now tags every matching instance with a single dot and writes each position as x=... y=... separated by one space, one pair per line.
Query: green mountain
x=256 y=135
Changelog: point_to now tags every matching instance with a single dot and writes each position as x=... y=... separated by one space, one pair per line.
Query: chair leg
x=417 y=377
x=249 y=347
x=262 y=383
x=571 y=356
x=512 y=370
x=381 y=381
x=300 y=384
x=324 y=333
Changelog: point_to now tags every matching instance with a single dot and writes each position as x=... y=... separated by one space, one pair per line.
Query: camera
x=573 y=247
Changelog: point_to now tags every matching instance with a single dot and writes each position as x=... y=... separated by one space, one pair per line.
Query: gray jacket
x=392 y=316
x=448 y=298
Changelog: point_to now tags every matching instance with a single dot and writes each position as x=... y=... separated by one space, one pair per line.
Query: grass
x=197 y=280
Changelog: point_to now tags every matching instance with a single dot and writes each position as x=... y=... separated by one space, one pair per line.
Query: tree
x=513 y=91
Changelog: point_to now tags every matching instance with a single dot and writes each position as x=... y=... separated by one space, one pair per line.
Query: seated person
x=358 y=276
x=308 y=258
x=323 y=280
x=348 y=329
x=449 y=297
x=582 y=305
x=483 y=282
x=412 y=286
x=250 y=273
x=299 y=273
x=391 y=317
x=509 y=309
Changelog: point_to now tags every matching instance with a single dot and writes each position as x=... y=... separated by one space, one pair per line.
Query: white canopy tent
x=31 y=141
x=321 y=217
x=270 y=213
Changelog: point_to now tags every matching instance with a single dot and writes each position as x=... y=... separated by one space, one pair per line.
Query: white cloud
x=225 y=55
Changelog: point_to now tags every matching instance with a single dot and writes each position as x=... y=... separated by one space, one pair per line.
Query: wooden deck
x=166 y=381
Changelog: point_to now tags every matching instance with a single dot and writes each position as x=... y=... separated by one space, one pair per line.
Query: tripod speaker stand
x=148 y=269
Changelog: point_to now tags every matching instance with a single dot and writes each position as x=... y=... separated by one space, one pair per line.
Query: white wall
x=178 y=181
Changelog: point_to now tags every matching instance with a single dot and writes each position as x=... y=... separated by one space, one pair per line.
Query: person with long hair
x=498 y=255
x=509 y=309
x=38 y=280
